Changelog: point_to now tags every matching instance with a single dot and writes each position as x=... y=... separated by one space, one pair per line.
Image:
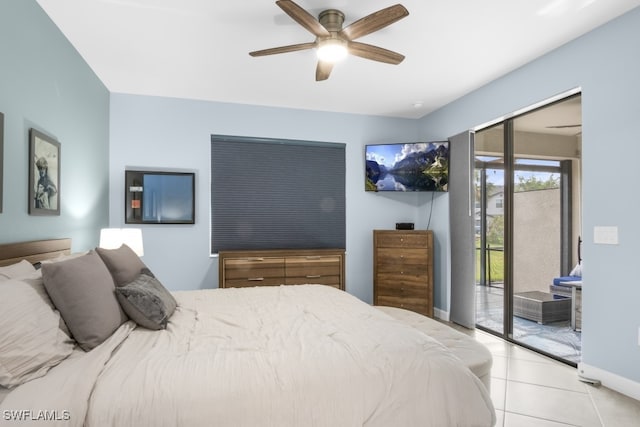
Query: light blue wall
x=154 y=132
x=45 y=84
x=606 y=65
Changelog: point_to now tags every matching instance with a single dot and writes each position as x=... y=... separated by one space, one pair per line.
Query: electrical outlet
x=605 y=235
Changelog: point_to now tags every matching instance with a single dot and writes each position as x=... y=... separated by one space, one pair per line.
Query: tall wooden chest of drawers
x=403 y=269
x=281 y=267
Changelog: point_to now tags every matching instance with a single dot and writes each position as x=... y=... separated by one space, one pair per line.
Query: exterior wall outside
x=495 y=204
x=536 y=232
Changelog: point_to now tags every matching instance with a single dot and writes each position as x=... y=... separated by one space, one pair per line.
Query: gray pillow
x=146 y=301
x=123 y=263
x=82 y=290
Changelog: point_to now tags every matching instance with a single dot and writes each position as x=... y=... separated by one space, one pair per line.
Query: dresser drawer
x=396 y=256
x=395 y=279
x=312 y=266
x=253 y=271
x=313 y=269
x=402 y=240
x=254 y=281
x=419 y=305
x=313 y=280
x=407 y=289
x=401 y=269
x=253 y=268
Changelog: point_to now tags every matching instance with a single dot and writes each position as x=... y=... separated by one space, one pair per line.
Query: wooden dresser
x=281 y=267
x=403 y=269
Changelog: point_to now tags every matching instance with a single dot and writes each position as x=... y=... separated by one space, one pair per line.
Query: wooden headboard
x=34 y=251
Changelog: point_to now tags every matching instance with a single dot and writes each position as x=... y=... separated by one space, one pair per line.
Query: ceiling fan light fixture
x=333 y=42
x=332 y=50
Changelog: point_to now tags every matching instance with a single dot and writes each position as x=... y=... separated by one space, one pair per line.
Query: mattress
x=3 y=393
x=307 y=355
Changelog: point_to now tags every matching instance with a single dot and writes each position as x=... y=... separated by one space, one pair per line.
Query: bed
x=305 y=355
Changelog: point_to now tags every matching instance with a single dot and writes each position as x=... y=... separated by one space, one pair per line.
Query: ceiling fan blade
x=283 y=49
x=374 y=22
x=375 y=53
x=323 y=70
x=304 y=18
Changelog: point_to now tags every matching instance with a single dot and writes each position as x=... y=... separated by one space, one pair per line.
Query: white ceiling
x=198 y=49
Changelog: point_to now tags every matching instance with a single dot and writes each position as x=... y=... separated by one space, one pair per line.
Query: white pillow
x=64 y=257
x=577 y=270
x=32 y=340
x=12 y=271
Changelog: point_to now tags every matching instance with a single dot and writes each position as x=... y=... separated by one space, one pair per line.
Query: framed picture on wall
x=44 y=174
x=1 y=157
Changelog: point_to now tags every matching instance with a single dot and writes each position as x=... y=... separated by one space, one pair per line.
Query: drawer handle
x=255 y=259
x=255 y=279
x=313 y=257
x=314 y=276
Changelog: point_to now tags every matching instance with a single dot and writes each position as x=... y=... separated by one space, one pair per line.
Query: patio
x=555 y=338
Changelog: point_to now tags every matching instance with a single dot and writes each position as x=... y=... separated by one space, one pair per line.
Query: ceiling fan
x=334 y=42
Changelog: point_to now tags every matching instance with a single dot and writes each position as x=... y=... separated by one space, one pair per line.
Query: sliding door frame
x=566 y=227
x=509 y=162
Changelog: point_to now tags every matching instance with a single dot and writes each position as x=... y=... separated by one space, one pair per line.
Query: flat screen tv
x=415 y=166
x=159 y=197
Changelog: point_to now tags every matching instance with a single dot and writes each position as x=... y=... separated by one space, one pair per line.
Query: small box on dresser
x=403 y=269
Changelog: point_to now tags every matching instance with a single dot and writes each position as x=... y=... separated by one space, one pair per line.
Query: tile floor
x=529 y=389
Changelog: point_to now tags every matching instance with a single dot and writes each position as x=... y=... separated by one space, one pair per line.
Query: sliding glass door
x=489 y=228
x=527 y=223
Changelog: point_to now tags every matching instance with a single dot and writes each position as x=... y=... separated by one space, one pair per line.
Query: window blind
x=276 y=194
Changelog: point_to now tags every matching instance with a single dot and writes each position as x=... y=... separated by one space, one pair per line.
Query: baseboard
x=610 y=380
x=441 y=314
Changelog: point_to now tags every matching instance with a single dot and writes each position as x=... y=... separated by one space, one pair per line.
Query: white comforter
x=268 y=356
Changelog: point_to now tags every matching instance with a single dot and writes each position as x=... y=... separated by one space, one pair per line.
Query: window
x=276 y=194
